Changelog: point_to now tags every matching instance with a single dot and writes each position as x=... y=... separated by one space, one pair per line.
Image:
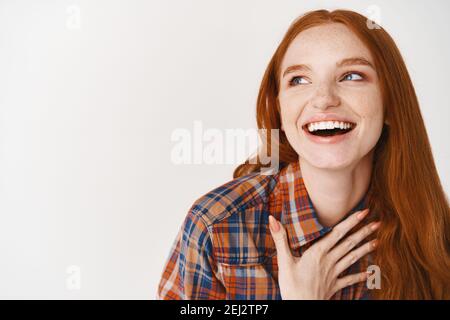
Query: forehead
x=325 y=44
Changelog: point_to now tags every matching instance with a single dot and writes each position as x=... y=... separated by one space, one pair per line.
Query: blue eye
x=297 y=80
x=353 y=76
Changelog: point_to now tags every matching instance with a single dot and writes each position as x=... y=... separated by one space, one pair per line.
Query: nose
x=325 y=97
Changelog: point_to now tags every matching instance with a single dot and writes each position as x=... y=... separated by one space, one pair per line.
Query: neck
x=335 y=192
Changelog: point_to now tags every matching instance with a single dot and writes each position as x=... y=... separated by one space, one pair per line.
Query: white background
x=90 y=92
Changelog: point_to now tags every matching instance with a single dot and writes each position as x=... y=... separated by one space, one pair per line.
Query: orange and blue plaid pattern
x=224 y=249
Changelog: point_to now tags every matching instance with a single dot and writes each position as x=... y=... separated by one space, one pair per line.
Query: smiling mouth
x=329 y=128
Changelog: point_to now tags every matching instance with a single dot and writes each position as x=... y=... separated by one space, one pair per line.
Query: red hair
x=405 y=190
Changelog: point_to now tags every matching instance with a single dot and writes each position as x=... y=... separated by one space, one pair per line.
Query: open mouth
x=329 y=128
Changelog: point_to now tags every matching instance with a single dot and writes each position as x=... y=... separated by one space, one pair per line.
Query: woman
x=352 y=138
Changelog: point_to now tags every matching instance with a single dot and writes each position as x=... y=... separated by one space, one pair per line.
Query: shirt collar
x=299 y=216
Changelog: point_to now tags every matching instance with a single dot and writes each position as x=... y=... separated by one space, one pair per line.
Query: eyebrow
x=345 y=62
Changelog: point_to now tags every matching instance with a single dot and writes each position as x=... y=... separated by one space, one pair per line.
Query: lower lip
x=330 y=139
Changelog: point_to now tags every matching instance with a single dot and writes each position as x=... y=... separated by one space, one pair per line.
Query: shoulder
x=231 y=219
x=233 y=197
x=229 y=224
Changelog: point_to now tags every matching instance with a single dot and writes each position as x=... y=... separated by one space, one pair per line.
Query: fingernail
x=273 y=224
x=375 y=226
x=362 y=214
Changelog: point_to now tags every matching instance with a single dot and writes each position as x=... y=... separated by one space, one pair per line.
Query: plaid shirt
x=224 y=249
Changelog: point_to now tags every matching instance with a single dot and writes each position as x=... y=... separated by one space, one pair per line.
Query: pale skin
x=315 y=274
x=335 y=74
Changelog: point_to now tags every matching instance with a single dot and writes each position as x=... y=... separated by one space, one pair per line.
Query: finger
x=354 y=256
x=349 y=280
x=351 y=241
x=341 y=229
x=279 y=236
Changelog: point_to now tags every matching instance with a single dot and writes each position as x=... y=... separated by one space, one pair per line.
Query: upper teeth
x=328 y=125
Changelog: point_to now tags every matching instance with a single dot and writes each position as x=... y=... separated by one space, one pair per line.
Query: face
x=330 y=100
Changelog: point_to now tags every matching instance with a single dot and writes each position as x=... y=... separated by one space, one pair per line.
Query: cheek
x=291 y=107
x=372 y=109
x=371 y=113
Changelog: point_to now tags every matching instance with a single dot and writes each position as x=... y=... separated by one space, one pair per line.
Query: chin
x=328 y=161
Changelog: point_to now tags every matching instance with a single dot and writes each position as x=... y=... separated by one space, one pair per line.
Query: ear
x=386 y=121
